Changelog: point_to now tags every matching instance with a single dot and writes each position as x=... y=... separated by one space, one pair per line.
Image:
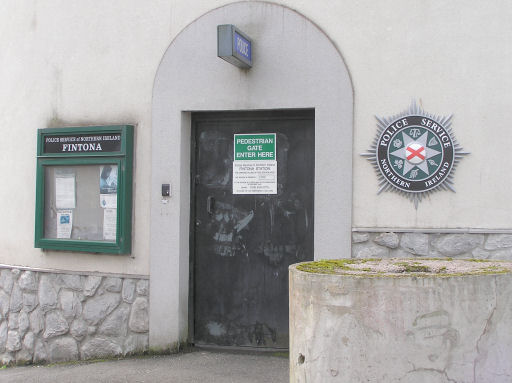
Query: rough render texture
x=405 y=245
x=407 y=329
x=54 y=317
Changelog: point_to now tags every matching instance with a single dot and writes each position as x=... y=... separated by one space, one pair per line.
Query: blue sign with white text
x=234 y=46
x=242 y=46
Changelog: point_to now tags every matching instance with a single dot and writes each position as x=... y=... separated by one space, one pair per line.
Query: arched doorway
x=296 y=66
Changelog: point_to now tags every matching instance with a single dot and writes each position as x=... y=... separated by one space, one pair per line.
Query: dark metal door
x=242 y=245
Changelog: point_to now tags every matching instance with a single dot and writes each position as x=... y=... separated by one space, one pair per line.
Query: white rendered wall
x=453 y=58
x=80 y=63
x=67 y=63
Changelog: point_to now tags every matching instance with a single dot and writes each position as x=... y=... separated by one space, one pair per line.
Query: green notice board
x=255 y=164
x=84 y=189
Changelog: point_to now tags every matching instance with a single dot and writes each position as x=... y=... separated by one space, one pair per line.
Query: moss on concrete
x=424 y=267
x=331 y=266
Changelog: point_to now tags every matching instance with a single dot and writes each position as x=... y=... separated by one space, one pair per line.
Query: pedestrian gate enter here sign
x=255 y=164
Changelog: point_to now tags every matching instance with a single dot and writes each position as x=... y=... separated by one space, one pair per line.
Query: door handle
x=210 y=204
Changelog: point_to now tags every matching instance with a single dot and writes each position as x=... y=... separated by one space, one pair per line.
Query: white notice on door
x=254 y=177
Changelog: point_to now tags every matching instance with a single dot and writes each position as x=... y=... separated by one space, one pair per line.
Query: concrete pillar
x=401 y=321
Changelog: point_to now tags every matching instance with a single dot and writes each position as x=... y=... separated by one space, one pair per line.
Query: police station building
x=166 y=161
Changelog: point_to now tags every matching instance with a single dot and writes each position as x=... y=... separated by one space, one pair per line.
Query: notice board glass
x=83 y=196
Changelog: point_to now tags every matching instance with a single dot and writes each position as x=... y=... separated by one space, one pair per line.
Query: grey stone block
x=36 y=321
x=69 y=281
x=3 y=335
x=434 y=253
x=27 y=281
x=26 y=354
x=78 y=329
x=81 y=297
x=29 y=301
x=143 y=287
x=23 y=323
x=503 y=254
x=415 y=243
x=13 y=341
x=139 y=318
x=457 y=244
x=62 y=350
x=369 y=250
x=6 y=280
x=91 y=284
x=29 y=340
x=360 y=237
x=479 y=253
x=389 y=240
x=100 y=348
x=399 y=253
x=116 y=323
x=40 y=352
x=4 y=304
x=97 y=308
x=55 y=324
x=16 y=302
x=70 y=305
x=112 y=284
x=498 y=241
x=128 y=292
x=8 y=358
x=47 y=293
x=23 y=356
x=13 y=321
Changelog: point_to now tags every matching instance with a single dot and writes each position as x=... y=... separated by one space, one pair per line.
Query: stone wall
x=54 y=317
x=433 y=245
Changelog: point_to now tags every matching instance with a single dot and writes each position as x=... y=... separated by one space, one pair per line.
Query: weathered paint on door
x=243 y=244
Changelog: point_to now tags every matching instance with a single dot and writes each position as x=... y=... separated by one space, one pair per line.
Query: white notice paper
x=64 y=223
x=65 y=192
x=254 y=177
x=108 y=201
x=109 y=224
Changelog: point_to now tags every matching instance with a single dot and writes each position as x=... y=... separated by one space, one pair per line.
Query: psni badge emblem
x=415 y=153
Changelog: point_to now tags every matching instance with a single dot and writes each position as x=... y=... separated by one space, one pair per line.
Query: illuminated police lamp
x=234 y=46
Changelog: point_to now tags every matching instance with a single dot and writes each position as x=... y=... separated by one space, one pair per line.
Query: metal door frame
x=218 y=116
